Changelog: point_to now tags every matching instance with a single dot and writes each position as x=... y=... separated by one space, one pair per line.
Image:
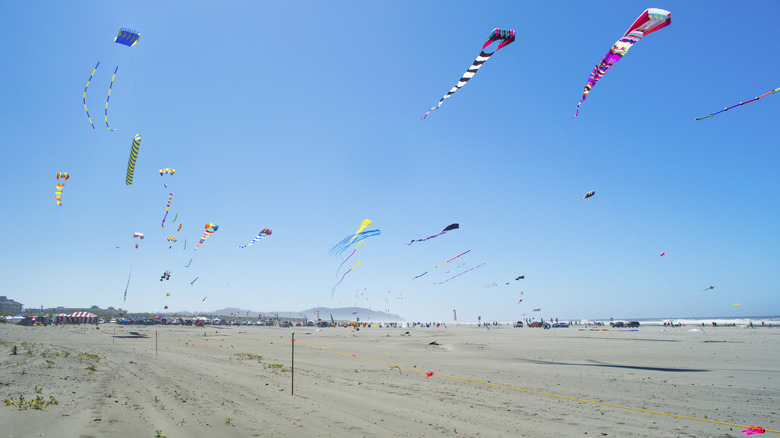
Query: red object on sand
x=753 y=430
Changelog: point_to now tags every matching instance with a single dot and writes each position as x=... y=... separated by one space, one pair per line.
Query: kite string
x=528 y=391
x=603 y=187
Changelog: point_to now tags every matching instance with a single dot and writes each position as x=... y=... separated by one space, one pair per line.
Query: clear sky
x=304 y=117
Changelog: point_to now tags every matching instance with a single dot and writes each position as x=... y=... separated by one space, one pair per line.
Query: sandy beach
x=376 y=382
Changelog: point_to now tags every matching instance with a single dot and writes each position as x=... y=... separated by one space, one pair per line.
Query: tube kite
x=447 y=228
x=193 y=282
x=172 y=239
x=429 y=270
x=128 y=281
x=109 y=97
x=588 y=195
x=210 y=229
x=167 y=208
x=84 y=97
x=127 y=37
x=167 y=171
x=349 y=240
x=651 y=20
x=264 y=232
x=133 y=157
x=60 y=186
x=697 y=118
x=179 y=228
x=506 y=36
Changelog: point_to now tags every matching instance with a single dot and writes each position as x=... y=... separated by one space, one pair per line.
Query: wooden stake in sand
x=155 y=343
x=292 y=366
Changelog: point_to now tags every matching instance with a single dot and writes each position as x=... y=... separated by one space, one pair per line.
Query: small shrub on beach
x=159 y=434
x=14 y=350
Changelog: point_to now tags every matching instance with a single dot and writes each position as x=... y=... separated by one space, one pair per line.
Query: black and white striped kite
x=506 y=36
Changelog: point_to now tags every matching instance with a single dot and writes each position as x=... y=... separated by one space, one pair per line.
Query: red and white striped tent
x=77 y=318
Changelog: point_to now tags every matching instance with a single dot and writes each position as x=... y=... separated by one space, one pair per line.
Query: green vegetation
x=37 y=403
x=160 y=434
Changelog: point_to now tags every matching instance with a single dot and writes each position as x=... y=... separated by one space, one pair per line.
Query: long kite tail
x=128 y=281
x=429 y=270
x=342 y=278
x=167 y=208
x=345 y=260
x=506 y=36
x=109 y=97
x=427 y=238
x=739 y=104
x=84 y=96
x=455 y=276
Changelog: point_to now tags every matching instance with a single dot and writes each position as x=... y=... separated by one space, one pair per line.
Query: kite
x=139 y=235
x=166 y=276
x=587 y=195
x=188 y=264
x=736 y=304
x=475 y=267
x=520 y=301
x=536 y=310
x=753 y=430
x=349 y=240
x=363 y=225
x=663 y=254
x=185 y=240
x=734 y=106
x=167 y=208
x=651 y=20
x=264 y=232
x=429 y=270
x=174 y=217
x=179 y=224
x=168 y=294
x=204 y=299
x=167 y=171
x=127 y=37
x=166 y=307
x=128 y=279
x=506 y=36
x=210 y=229
x=171 y=239
x=60 y=186
x=522 y=277
x=342 y=278
x=109 y=97
x=706 y=289
x=133 y=157
x=193 y=282
x=448 y=228
x=84 y=97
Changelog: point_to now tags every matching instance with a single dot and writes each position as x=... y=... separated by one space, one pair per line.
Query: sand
x=497 y=382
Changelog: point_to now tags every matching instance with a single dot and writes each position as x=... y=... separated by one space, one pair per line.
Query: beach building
x=10 y=306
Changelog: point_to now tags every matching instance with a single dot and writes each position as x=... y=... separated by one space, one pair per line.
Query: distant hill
x=341 y=313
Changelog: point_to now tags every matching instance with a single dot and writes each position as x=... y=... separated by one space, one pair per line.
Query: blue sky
x=304 y=117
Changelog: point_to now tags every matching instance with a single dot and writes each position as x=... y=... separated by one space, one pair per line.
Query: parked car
x=560 y=325
x=285 y=324
x=632 y=324
x=519 y=324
